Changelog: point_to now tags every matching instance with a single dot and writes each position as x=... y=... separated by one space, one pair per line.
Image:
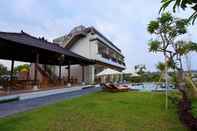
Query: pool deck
x=11 y=108
x=30 y=94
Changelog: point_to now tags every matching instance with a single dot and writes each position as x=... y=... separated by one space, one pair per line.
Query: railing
x=109 y=61
x=19 y=84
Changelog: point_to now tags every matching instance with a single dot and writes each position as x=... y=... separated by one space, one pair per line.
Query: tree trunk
x=181 y=83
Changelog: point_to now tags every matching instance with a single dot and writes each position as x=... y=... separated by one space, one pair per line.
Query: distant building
x=90 y=43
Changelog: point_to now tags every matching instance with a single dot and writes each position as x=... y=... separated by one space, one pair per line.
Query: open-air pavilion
x=109 y=75
x=26 y=48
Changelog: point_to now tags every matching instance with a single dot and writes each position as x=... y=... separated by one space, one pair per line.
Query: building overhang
x=97 y=39
x=24 y=47
x=110 y=65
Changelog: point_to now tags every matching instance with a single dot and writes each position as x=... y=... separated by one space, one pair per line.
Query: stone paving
x=7 y=109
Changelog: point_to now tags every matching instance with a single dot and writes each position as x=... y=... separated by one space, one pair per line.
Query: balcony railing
x=109 y=57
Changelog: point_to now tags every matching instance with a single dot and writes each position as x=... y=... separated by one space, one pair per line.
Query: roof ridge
x=33 y=37
x=3 y=32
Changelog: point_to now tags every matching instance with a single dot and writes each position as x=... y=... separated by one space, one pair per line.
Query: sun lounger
x=114 y=88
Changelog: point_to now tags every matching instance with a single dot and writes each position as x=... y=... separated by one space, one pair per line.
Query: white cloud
x=123 y=22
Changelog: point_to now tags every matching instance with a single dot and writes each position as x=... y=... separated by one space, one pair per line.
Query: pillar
x=91 y=74
x=69 y=72
x=36 y=70
x=12 y=70
x=83 y=74
x=60 y=72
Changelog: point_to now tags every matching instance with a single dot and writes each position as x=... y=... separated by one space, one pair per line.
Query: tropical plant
x=3 y=70
x=161 y=66
x=140 y=69
x=181 y=4
x=20 y=68
x=167 y=28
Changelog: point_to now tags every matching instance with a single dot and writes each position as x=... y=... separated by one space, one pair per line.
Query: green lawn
x=102 y=111
x=194 y=107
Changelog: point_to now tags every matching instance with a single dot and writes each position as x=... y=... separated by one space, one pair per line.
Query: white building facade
x=91 y=44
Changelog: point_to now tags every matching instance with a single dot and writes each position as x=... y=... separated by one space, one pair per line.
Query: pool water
x=150 y=87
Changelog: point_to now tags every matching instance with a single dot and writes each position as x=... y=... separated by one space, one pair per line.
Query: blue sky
x=124 y=22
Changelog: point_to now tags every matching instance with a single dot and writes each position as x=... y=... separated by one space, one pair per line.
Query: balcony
x=110 y=60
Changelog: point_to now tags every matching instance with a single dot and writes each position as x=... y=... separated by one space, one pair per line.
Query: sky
x=124 y=22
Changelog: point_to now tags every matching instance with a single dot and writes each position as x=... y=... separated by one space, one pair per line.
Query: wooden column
x=45 y=67
x=83 y=73
x=60 y=72
x=68 y=72
x=12 y=70
x=36 y=70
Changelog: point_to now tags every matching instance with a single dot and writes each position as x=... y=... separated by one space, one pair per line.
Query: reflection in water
x=151 y=86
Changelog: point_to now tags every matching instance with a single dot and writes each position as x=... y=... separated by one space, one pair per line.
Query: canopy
x=24 y=47
x=134 y=74
x=108 y=71
x=127 y=71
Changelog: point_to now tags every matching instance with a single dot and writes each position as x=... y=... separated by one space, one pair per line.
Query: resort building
x=91 y=44
x=42 y=56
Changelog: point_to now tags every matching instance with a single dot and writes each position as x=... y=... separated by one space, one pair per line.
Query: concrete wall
x=82 y=47
x=89 y=49
x=103 y=40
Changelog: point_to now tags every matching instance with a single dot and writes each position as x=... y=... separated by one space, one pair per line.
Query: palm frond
x=165 y=4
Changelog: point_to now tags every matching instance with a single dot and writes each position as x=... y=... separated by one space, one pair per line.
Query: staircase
x=48 y=77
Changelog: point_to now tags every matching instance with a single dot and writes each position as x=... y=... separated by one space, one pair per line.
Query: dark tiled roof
x=39 y=43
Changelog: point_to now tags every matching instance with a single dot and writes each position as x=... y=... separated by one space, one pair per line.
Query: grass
x=194 y=107
x=102 y=111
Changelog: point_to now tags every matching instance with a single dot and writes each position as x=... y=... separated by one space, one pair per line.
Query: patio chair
x=114 y=88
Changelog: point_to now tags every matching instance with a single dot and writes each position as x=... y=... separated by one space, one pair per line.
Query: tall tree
x=140 y=69
x=166 y=30
x=19 y=68
x=161 y=66
x=3 y=70
x=181 y=4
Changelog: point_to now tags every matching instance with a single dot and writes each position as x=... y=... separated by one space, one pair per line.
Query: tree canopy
x=160 y=66
x=181 y=4
x=3 y=70
x=166 y=30
x=20 y=68
x=140 y=69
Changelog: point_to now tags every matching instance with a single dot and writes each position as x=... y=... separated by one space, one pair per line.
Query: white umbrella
x=127 y=71
x=135 y=74
x=108 y=71
x=130 y=72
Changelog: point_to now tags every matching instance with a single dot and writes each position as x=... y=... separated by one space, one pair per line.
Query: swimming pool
x=150 y=87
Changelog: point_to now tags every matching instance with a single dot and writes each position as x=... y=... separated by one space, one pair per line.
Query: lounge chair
x=115 y=88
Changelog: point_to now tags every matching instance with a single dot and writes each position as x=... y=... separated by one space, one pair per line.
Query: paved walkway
x=11 y=108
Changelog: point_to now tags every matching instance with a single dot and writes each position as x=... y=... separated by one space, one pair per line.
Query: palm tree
x=161 y=67
x=181 y=4
x=167 y=28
